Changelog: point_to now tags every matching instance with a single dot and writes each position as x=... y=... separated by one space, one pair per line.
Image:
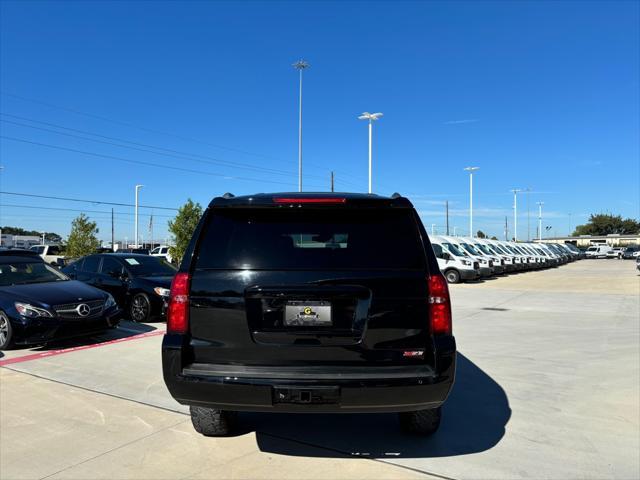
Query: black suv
x=309 y=303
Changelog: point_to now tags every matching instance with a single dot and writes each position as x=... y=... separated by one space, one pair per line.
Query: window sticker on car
x=132 y=261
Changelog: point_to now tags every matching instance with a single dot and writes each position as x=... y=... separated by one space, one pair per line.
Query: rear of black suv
x=309 y=303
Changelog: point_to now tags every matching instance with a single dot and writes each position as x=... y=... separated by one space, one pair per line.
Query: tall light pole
x=570 y=225
x=515 y=213
x=371 y=117
x=138 y=187
x=540 y=204
x=300 y=65
x=433 y=227
x=471 y=170
x=528 y=189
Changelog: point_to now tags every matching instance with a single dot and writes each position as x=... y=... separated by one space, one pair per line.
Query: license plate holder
x=308 y=314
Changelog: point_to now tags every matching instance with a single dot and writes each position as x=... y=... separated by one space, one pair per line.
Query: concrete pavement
x=547 y=387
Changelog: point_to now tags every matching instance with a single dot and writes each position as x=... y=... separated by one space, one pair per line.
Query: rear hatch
x=309 y=285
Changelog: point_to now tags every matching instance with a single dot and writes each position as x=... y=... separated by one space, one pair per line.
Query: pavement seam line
x=113 y=449
x=321 y=447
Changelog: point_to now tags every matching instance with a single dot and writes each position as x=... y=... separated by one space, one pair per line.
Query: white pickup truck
x=51 y=254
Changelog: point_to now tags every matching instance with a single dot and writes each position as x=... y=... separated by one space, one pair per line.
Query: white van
x=454 y=264
x=598 y=251
x=489 y=248
x=486 y=265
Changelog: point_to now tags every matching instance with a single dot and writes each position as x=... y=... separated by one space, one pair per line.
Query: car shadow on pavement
x=474 y=420
x=124 y=330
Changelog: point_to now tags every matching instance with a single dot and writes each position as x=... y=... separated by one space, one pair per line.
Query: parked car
x=598 y=251
x=39 y=304
x=51 y=254
x=616 y=252
x=162 y=252
x=631 y=252
x=309 y=303
x=139 y=283
x=638 y=262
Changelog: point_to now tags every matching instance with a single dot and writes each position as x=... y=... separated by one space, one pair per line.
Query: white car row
x=465 y=258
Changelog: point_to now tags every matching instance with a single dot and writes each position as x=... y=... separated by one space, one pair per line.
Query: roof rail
x=228 y=195
x=396 y=195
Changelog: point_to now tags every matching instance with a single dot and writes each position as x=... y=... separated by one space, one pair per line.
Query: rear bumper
x=357 y=389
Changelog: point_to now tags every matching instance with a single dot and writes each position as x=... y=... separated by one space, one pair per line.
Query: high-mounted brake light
x=317 y=200
x=439 y=305
x=178 y=311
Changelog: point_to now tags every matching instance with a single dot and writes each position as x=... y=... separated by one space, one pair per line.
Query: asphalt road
x=548 y=386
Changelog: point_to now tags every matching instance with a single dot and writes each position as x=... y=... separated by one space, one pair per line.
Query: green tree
x=481 y=234
x=494 y=238
x=606 y=224
x=82 y=239
x=182 y=227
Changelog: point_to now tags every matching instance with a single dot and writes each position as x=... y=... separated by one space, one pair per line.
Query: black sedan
x=39 y=304
x=139 y=283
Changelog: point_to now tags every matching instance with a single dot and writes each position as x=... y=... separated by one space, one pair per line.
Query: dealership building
x=613 y=240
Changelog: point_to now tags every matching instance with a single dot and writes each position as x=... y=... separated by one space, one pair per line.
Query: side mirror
x=446 y=256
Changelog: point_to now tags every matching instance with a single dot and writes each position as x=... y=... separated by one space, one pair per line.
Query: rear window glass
x=310 y=239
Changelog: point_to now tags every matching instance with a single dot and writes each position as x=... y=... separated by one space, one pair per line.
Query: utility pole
x=112 y=233
x=570 y=225
x=433 y=226
x=506 y=228
x=332 y=181
x=138 y=187
x=446 y=203
x=151 y=230
x=300 y=65
x=540 y=204
x=515 y=213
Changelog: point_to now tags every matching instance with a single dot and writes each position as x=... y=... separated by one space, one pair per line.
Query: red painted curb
x=52 y=353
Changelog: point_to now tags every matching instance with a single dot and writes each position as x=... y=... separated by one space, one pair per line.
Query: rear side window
x=91 y=264
x=308 y=239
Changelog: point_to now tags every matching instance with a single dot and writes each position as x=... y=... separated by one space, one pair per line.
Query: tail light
x=178 y=312
x=439 y=305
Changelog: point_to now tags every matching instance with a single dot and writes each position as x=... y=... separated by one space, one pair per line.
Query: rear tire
x=421 y=422
x=211 y=422
x=452 y=276
x=6 y=332
x=140 y=308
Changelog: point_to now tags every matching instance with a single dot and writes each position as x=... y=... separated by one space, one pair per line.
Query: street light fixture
x=471 y=170
x=371 y=117
x=300 y=65
x=138 y=187
x=515 y=213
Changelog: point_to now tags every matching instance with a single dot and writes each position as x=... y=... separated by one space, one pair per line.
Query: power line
x=131 y=125
x=39 y=207
x=157 y=132
x=141 y=162
x=95 y=202
x=172 y=153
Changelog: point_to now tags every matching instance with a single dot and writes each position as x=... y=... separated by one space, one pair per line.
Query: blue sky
x=542 y=95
